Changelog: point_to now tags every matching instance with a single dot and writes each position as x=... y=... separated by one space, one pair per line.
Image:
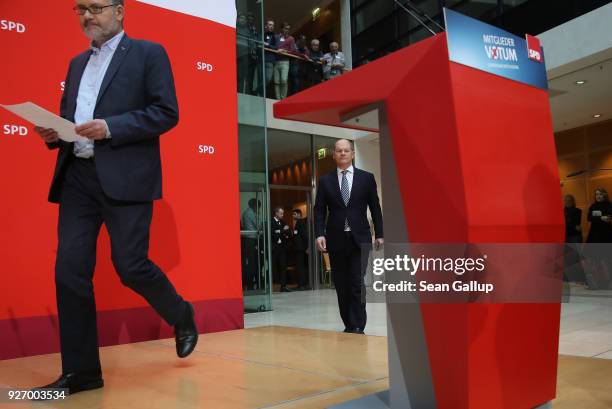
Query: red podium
x=467 y=157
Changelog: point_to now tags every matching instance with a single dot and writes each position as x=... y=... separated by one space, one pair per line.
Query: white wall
x=367 y=157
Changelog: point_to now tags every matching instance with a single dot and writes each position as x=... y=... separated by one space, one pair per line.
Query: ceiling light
x=580 y=82
x=597 y=116
x=315 y=13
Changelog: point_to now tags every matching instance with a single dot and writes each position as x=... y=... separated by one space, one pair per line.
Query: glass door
x=256 y=284
x=292 y=262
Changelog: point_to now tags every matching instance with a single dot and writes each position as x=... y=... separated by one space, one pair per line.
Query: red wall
x=195 y=231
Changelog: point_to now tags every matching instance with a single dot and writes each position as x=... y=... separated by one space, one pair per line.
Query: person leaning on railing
x=286 y=45
x=333 y=62
x=243 y=53
x=270 y=44
x=254 y=57
x=314 y=73
x=297 y=69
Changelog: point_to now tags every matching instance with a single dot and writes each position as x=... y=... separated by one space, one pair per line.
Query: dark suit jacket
x=301 y=235
x=138 y=101
x=279 y=233
x=329 y=204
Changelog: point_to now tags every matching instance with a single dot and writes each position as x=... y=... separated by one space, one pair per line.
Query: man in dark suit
x=343 y=197
x=300 y=244
x=280 y=238
x=121 y=95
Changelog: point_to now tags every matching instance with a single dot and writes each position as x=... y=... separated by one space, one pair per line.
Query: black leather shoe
x=346 y=330
x=356 y=331
x=186 y=333
x=286 y=290
x=76 y=382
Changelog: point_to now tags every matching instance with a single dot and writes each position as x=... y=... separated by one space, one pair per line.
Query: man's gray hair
x=118 y=2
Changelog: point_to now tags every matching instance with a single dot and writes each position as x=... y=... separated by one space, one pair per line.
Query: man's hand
x=378 y=243
x=321 y=243
x=47 y=134
x=94 y=130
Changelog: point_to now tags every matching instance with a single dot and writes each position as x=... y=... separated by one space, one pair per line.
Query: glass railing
x=277 y=74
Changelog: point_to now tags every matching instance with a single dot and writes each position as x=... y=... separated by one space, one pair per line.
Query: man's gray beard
x=100 y=37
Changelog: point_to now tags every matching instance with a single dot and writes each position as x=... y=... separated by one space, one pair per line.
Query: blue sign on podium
x=491 y=49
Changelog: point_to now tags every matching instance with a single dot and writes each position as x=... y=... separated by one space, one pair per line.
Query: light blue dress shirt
x=89 y=89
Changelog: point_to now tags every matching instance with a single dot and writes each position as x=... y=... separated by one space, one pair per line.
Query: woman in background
x=600 y=233
x=573 y=234
x=600 y=217
x=573 y=217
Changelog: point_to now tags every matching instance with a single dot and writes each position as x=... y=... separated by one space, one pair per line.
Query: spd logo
x=9 y=25
x=16 y=130
x=534 y=49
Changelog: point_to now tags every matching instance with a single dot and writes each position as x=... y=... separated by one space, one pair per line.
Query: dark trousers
x=253 y=62
x=301 y=266
x=348 y=276
x=83 y=209
x=244 y=82
x=249 y=262
x=313 y=75
x=294 y=77
x=279 y=264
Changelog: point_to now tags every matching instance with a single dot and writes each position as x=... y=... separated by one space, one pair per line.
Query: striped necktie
x=346 y=194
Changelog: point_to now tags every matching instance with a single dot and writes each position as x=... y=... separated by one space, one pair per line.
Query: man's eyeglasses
x=81 y=10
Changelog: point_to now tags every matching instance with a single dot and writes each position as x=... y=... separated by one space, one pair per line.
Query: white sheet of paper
x=43 y=118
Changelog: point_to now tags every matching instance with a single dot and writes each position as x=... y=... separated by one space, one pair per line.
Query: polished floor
x=295 y=358
x=264 y=367
x=586 y=320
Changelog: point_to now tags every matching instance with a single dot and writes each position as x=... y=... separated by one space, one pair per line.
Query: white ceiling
x=580 y=49
x=574 y=105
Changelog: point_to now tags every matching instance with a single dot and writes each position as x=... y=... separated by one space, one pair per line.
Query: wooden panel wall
x=588 y=147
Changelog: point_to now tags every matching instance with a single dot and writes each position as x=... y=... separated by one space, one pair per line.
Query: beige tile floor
x=264 y=367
